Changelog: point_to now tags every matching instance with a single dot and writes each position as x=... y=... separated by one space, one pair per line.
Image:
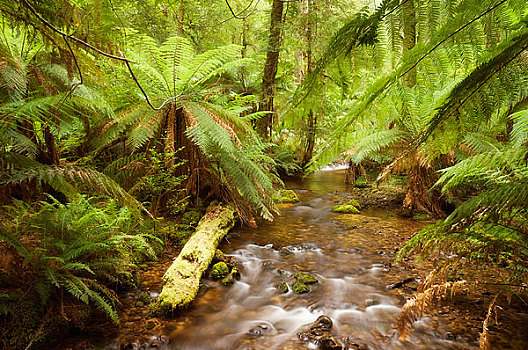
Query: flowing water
x=348 y=254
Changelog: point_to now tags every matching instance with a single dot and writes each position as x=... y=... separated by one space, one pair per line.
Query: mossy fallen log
x=182 y=279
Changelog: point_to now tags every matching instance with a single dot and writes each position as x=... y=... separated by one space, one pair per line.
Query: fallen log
x=182 y=279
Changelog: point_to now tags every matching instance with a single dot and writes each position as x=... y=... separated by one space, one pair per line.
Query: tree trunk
x=182 y=279
x=419 y=196
x=409 y=38
x=311 y=118
x=265 y=123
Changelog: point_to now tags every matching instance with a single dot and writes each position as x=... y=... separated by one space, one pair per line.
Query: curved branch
x=71 y=37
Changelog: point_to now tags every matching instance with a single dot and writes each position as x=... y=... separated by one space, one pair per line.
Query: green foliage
x=160 y=182
x=76 y=249
x=182 y=83
x=490 y=226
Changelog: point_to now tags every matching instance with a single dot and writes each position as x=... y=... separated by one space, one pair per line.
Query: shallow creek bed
x=353 y=305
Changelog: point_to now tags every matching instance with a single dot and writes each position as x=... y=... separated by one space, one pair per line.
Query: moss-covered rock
x=282 y=287
x=286 y=196
x=305 y=277
x=235 y=273
x=300 y=288
x=228 y=280
x=219 y=270
x=354 y=202
x=345 y=209
x=350 y=207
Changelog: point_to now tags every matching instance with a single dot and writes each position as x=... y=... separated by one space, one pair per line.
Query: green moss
x=300 y=288
x=139 y=303
x=286 y=196
x=219 y=270
x=345 y=208
x=182 y=279
x=228 y=280
x=354 y=202
x=180 y=235
x=191 y=217
x=305 y=278
x=219 y=256
x=282 y=287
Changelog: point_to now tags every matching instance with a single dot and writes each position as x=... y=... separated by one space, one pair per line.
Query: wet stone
x=305 y=278
x=323 y=322
x=285 y=251
x=450 y=336
x=259 y=330
x=300 y=288
x=371 y=302
x=329 y=343
x=283 y=287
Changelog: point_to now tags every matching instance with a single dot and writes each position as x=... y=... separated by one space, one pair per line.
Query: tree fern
x=179 y=80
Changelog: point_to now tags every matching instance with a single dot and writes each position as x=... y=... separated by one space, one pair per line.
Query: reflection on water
x=346 y=253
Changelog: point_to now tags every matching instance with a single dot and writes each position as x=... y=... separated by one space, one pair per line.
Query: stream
x=349 y=254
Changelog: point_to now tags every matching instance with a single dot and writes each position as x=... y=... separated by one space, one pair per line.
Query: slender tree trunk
x=422 y=175
x=311 y=118
x=264 y=124
x=180 y=16
x=409 y=38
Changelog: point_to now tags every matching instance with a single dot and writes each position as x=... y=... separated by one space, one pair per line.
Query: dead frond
x=484 y=341
x=415 y=307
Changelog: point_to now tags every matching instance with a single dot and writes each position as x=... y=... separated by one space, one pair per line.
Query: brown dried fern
x=415 y=307
x=484 y=342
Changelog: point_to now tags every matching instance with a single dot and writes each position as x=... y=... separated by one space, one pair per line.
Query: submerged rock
x=259 y=330
x=285 y=251
x=219 y=270
x=286 y=196
x=283 y=287
x=228 y=280
x=305 y=278
x=300 y=288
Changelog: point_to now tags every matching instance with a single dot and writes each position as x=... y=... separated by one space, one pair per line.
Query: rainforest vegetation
x=122 y=121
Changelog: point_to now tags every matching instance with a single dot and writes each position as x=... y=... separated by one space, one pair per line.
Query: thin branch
x=122 y=58
x=77 y=40
x=74 y=60
x=238 y=16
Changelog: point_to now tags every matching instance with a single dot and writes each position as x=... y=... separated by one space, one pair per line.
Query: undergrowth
x=60 y=256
